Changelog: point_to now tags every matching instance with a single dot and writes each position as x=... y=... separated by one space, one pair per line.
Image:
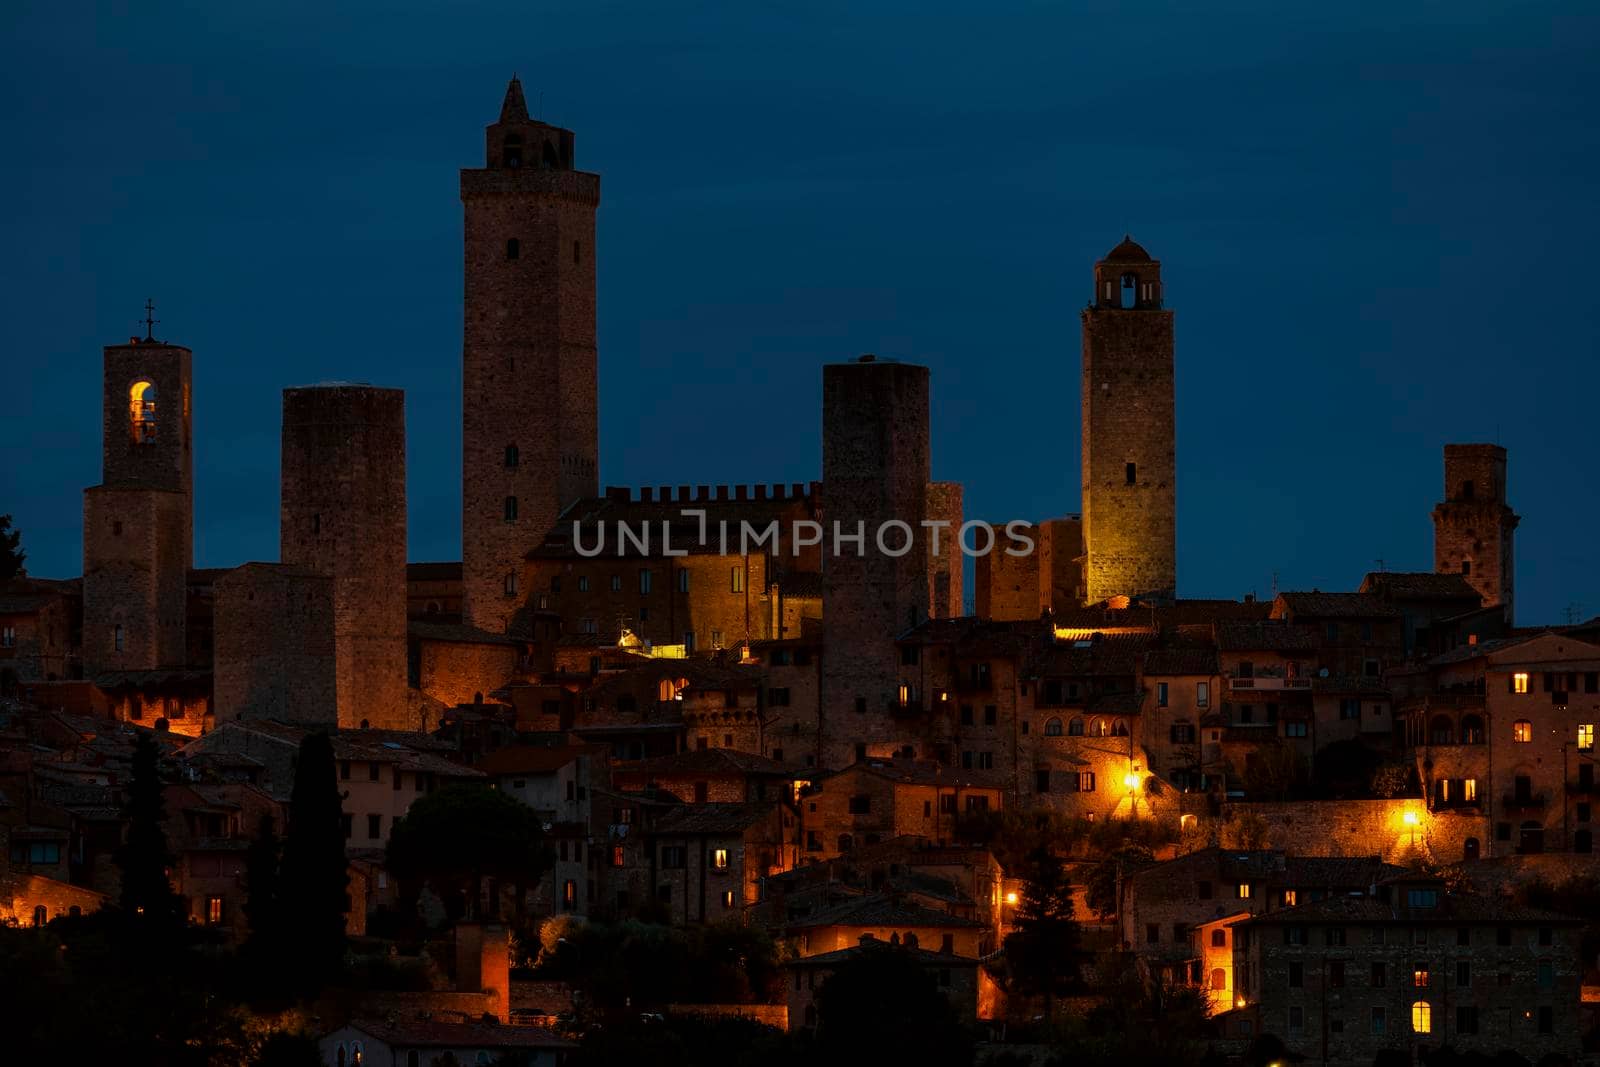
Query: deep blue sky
x=1377 y=229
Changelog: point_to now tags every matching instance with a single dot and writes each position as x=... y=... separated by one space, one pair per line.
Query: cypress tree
x=262 y=906
x=314 y=876
x=147 y=895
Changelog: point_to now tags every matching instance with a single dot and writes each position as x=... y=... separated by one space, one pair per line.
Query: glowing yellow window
x=1519 y=682
x=1419 y=976
x=1522 y=730
x=1469 y=789
x=1422 y=1017
x=1290 y=898
x=1586 y=736
x=142 y=412
x=1244 y=890
x=719 y=859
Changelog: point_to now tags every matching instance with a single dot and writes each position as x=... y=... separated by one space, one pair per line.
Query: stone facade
x=344 y=515
x=1409 y=967
x=1129 y=442
x=875 y=462
x=530 y=399
x=945 y=596
x=275 y=648
x=138 y=524
x=1473 y=528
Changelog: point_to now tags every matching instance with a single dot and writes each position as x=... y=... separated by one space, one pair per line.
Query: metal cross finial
x=149 y=319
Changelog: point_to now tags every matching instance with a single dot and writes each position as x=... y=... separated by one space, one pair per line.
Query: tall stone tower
x=1473 y=527
x=138 y=524
x=343 y=515
x=1129 y=431
x=530 y=405
x=875 y=463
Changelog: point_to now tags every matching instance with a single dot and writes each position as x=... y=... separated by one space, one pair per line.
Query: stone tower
x=138 y=524
x=343 y=515
x=875 y=463
x=530 y=422
x=1473 y=527
x=1129 y=438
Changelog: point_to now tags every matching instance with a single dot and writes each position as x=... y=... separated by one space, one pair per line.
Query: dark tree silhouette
x=460 y=835
x=12 y=557
x=147 y=897
x=1042 y=953
x=883 y=1006
x=314 y=876
x=1100 y=889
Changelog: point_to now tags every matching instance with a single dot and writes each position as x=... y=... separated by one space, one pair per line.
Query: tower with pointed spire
x=1129 y=432
x=530 y=401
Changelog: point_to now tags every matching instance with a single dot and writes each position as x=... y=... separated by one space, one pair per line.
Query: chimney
x=483 y=965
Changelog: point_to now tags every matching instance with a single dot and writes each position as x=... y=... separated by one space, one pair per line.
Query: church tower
x=530 y=403
x=1129 y=431
x=138 y=523
x=1473 y=527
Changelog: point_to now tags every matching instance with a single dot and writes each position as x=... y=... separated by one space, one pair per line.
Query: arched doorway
x=1469 y=851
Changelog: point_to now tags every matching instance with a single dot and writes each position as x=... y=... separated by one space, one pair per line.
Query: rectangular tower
x=343 y=515
x=1473 y=527
x=530 y=402
x=1129 y=432
x=138 y=524
x=875 y=463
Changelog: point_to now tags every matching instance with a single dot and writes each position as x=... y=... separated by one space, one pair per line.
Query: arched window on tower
x=513 y=456
x=511 y=151
x=142 y=412
x=513 y=249
x=1130 y=291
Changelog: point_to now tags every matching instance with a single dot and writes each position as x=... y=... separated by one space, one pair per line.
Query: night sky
x=1377 y=228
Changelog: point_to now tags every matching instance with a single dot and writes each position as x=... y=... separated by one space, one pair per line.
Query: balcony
x=1523 y=801
x=1259 y=684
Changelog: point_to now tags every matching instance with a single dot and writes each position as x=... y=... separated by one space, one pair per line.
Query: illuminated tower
x=138 y=524
x=530 y=433
x=1129 y=432
x=1473 y=527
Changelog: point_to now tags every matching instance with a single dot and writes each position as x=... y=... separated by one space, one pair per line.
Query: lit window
x=737 y=576
x=727 y=898
x=1519 y=682
x=142 y=412
x=1586 y=737
x=1290 y=898
x=1522 y=731
x=214 y=911
x=1422 y=1017
x=719 y=859
x=1469 y=789
x=1244 y=890
x=1420 y=976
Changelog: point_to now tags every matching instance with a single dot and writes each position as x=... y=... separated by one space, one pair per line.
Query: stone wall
x=274 y=645
x=344 y=515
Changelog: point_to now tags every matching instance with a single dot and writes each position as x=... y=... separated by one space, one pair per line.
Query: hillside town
x=749 y=770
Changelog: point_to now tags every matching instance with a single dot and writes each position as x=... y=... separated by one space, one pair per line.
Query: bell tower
x=138 y=523
x=529 y=374
x=1129 y=431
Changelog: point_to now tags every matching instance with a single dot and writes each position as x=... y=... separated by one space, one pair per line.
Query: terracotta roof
x=1320 y=605
x=1129 y=251
x=921 y=955
x=1266 y=635
x=1419 y=585
x=1452 y=908
x=529 y=759
x=709 y=818
x=1178 y=661
x=457 y=632
x=714 y=761
x=434 y=1034
x=878 y=910
x=925 y=772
